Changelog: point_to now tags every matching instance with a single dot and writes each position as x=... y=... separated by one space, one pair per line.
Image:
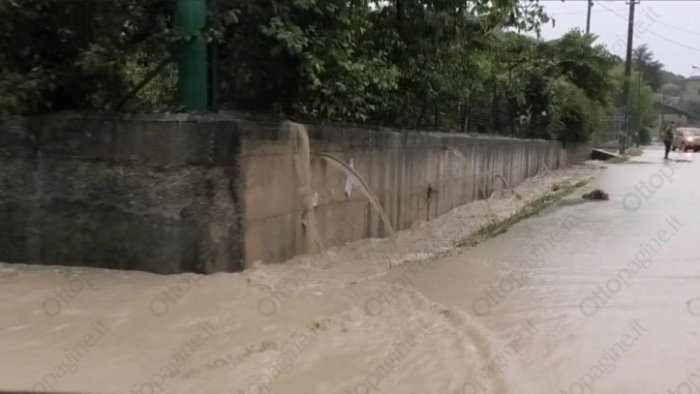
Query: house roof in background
x=668 y=109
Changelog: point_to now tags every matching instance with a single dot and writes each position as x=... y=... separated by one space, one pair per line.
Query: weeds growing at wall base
x=498 y=227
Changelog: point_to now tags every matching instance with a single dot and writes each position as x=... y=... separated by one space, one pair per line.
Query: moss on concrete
x=498 y=227
x=634 y=151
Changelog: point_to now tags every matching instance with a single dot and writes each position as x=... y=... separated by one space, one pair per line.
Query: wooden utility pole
x=588 y=18
x=628 y=74
x=638 y=118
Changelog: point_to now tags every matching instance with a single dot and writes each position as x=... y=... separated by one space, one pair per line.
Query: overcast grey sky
x=670 y=28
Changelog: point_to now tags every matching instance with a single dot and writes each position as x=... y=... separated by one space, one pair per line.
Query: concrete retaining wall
x=578 y=154
x=206 y=194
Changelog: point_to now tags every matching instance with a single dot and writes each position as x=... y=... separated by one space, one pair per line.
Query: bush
x=644 y=136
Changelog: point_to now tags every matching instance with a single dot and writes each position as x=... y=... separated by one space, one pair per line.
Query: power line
x=679 y=28
x=672 y=41
x=611 y=10
x=579 y=12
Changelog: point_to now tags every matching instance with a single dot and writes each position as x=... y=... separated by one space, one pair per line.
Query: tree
x=643 y=59
x=562 y=86
x=434 y=64
x=76 y=54
x=356 y=60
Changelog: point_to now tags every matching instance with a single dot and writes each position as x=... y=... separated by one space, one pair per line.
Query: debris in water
x=597 y=195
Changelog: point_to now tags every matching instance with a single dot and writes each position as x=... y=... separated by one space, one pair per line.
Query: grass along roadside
x=631 y=152
x=498 y=227
x=634 y=151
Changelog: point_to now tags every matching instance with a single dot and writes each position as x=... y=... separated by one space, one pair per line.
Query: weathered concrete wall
x=416 y=176
x=207 y=194
x=145 y=194
x=578 y=154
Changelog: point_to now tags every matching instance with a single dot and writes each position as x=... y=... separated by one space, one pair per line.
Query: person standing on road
x=668 y=138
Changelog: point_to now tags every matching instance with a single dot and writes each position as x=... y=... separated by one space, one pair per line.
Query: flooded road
x=612 y=288
x=584 y=297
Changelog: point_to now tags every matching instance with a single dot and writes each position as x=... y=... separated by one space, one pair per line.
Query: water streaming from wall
x=500 y=176
x=299 y=138
x=373 y=200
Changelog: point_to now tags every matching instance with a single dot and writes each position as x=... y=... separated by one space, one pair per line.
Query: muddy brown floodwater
x=600 y=296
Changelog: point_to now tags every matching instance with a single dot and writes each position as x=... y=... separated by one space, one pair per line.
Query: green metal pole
x=191 y=16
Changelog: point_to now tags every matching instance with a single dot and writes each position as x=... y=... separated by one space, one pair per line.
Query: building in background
x=669 y=113
x=691 y=91
x=679 y=103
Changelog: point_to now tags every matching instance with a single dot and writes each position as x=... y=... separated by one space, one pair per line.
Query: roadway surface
x=590 y=296
x=585 y=297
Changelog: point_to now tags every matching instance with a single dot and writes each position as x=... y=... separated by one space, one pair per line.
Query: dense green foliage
x=60 y=55
x=645 y=134
x=432 y=64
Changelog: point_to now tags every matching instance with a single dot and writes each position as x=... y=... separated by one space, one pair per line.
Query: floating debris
x=597 y=195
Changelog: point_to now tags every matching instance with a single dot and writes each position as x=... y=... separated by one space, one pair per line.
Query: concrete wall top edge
x=157 y=144
x=264 y=127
